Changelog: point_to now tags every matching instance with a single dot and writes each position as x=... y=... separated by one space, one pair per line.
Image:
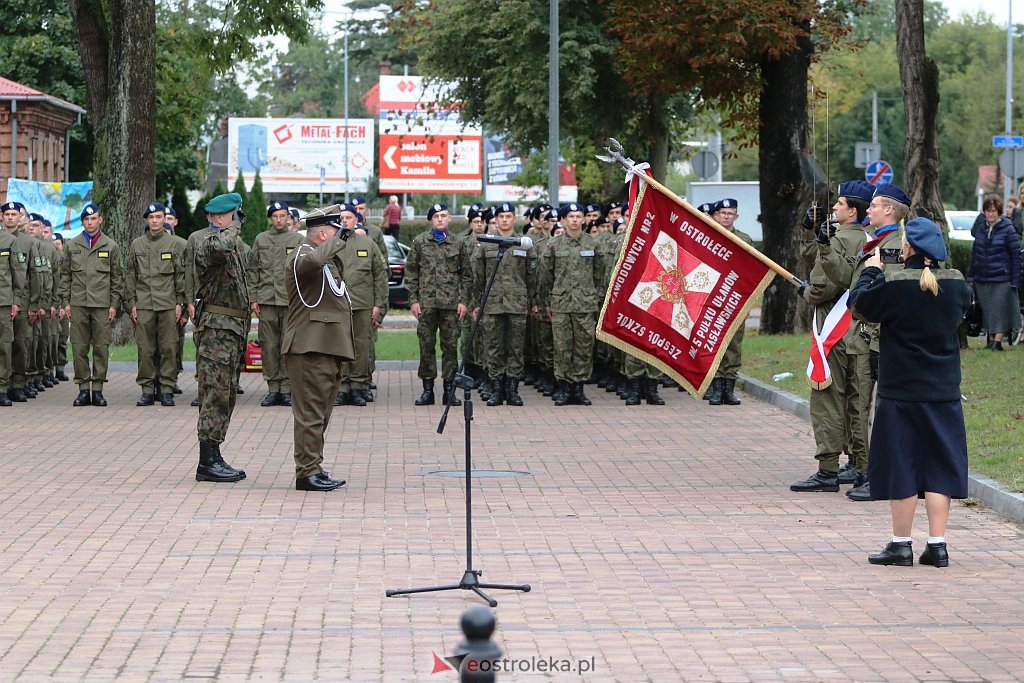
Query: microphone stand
x=471 y=578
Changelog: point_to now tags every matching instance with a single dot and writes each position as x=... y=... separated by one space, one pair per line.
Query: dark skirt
x=1000 y=309
x=917 y=447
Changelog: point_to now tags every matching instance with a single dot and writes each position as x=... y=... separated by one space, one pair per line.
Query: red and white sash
x=837 y=322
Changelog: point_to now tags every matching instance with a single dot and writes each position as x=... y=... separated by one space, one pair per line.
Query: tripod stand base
x=470 y=582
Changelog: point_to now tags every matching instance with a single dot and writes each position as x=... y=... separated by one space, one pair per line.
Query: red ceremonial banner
x=679 y=290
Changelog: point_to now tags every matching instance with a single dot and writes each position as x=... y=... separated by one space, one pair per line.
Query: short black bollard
x=479 y=653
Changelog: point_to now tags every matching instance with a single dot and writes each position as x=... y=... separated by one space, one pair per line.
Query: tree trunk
x=656 y=136
x=920 y=78
x=785 y=192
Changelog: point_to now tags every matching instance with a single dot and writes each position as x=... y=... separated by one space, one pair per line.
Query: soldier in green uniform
x=723 y=386
x=45 y=263
x=571 y=280
x=221 y=319
x=269 y=293
x=837 y=408
x=317 y=339
x=91 y=289
x=171 y=224
x=56 y=319
x=366 y=281
x=513 y=295
x=16 y=222
x=154 y=294
x=64 y=329
x=541 y=337
x=438 y=275
x=474 y=358
x=13 y=273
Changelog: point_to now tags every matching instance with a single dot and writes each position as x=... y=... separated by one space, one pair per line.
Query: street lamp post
x=346 y=107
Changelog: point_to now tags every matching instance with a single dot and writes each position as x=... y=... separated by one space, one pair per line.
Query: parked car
x=398 y=293
x=960 y=224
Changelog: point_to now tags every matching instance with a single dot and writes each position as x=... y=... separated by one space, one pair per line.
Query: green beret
x=224 y=203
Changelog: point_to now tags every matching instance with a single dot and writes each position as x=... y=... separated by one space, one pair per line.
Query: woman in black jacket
x=996 y=271
x=918 y=440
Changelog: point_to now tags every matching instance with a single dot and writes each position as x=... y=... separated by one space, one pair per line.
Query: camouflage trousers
x=573 y=345
x=504 y=339
x=541 y=341
x=218 y=355
x=634 y=368
x=839 y=413
x=270 y=334
x=732 y=360
x=432 y=321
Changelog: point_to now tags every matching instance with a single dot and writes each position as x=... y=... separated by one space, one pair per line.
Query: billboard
x=501 y=166
x=290 y=153
x=60 y=203
x=424 y=146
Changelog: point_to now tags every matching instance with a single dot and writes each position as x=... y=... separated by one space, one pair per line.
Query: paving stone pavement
x=662 y=544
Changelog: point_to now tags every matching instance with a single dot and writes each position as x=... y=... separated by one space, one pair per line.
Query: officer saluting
x=317 y=340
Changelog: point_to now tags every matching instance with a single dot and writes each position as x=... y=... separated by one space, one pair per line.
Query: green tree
x=186 y=219
x=255 y=207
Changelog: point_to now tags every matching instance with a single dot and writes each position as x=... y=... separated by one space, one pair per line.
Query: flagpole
x=615 y=156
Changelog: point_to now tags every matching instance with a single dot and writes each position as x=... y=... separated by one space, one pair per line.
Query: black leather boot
x=213 y=468
x=286 y=399
x=167 y=400
x=531 y=375
x=631 y=392
x=562 y=393
x=84 y=398
x=728 y=397
x=935 y=555
x=146 y=400
x=497 y=393
x=272 y=398
x=714 y=395
x=98 y=400
x=898 y=554
x=652 y=395
x=5 y=401
x=449 y=390
x=861 y=491
x=578 y=397
x=61 y=375
x=427 y=397
x=355 y=398
x=485 y=388
x=848 y=474
x=512 y=396
x=819 y=481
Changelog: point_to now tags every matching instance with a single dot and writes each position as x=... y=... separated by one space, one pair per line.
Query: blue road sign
x=878 y=172
x=1008 y=140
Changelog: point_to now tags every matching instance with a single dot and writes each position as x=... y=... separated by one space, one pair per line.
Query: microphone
x=512 y=241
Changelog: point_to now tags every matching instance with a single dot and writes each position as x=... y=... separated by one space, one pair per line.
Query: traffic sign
x=865 y=152
x=1008 y=140
x=1011 y=161
x=704 y=164
x=878 y=172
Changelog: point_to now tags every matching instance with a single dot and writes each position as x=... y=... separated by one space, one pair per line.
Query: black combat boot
x=342 y=398
x=485 y=388
x=545 y=384
x=98 y=400
x=512 y=392
x=449 y=390
x=497 y=393
x=847 y=474
x=578 y=397
x=84 y=398
x=562 y=393
x=427 y=397
x=212 y=466
x=30 y=390
x=714 y=395
x=47 y=382
x=146 y=400
x=631 y=389
x=61 y=375
x=167 y=400
x=819 y=481
x=531 y=374
x=286 y=399
x=861 y=491
x=5 y=401
x=176 y=389
x=355 y=398
x=272 y=398
x=652 y=395
x=728 y=397
x=367 y=396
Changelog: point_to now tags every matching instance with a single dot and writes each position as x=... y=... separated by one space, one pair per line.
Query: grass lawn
x=993 y=411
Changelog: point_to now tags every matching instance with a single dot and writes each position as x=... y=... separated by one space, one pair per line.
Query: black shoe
x=549 y=384
x=195 y=402
x=367 y=395
x=4 y=401
x=497 y=396
x=84 y=398
x=578 y=397
x=53 y=379
x=427 y=397
x=819 y=481
x=38 y=384
x=324 y=475
x=62 y=376
x=935 y=555
x=98 y=400
x=714 y=393
x=286 y=399
x=356 y=399
x=47 y=382
x=728 y=397
x=317 y=483
x=30 y=391
x=847 y=474
x=371 y=386
x=341 y=398
x=146 y=400
x=562 y=393
x=631 y=390
x=18 y=396
x=531 y=375
x=449 y=390
x=167 y=400
x=512 y=396
x=238 y=388
x=899 y=554
x=271 y=399
x=861 y=493
x=176 y=389
x=652 y=395
x=212 y=466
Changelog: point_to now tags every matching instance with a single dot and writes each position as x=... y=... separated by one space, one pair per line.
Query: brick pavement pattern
x=661 y=542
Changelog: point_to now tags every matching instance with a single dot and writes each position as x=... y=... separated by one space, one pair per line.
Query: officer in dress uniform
x=154 y=294
x=837 y=408
x=220 y=312
x=317 y=340
x=270 y=250
x=725 y=212
x=91 y=290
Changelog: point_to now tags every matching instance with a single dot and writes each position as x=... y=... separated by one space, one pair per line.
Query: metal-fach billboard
x=290 y=153
x=424 y=146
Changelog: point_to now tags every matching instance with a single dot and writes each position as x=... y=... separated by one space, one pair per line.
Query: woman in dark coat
x=918 y=440
x=996 y=271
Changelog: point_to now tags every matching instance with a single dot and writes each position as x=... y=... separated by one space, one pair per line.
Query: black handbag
x=972 y=320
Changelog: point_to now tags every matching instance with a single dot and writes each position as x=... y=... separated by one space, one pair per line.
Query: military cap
x=47 y=223
x=504 y=207
x=89 y=210
x=171 y=212
x=9 y=206
x=475 y=211
x=348 y=208
x=224 y=203
x=893 y=192
x=326 y=216
x=276 y=206
x=706 y=208
x=566 y=209
x=487 y=214
x=551 y=215
x=594 y=207
x=617 y=224
x=539 y=210
x=294 y=213
x=925 y=237
x=57 y=237
x=857 y=189
x=36 y=217
x=614 y=205
x=727 y=203
x=600 y=220
x=435 y=209
x=359 y=199
x=155 y=207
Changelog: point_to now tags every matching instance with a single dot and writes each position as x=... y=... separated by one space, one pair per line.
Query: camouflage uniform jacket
x=220 y=280
x=572 y=274
x=515 y=284
x=270 y=250
x=438 y=274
